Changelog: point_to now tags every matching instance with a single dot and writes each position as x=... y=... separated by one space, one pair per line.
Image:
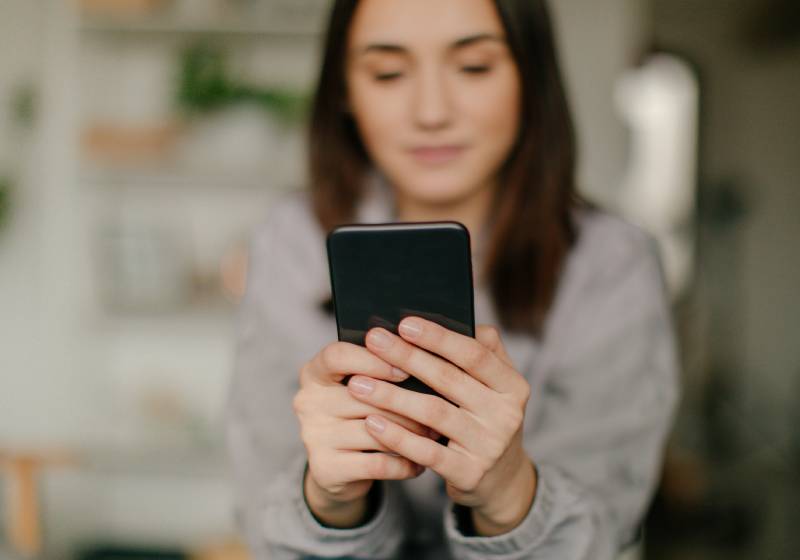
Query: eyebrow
x=460 y=43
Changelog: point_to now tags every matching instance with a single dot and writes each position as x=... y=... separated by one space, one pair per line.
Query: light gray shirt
x=604 y=389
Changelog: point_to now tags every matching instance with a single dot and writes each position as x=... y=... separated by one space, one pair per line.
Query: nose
x=432 y=105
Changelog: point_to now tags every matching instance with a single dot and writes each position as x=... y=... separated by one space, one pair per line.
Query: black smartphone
x=382 y=273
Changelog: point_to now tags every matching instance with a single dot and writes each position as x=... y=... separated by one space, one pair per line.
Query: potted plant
x=233 y=126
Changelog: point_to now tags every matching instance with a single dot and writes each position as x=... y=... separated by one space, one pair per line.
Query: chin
x=436 y=189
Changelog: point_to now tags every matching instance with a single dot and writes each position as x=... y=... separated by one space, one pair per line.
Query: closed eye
x=475 y=69
x=387 y=77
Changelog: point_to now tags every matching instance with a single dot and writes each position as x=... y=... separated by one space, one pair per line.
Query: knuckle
x=524 y=392
x=305 y=375
x=308 y=438
x=437 y=334
x=475 y=356
x=380 y=466
x=494 y=448
x=315 y=463
x=511 y=419
x=432 y=456
x=394 y=438
x=448 y=378
x=298 y=402
x=490 y=334
x=515 y=417
x=331 y=356
x=319 y=463
x=405 y=352
x=384 y=396
x=472 y=479
x=436 y=410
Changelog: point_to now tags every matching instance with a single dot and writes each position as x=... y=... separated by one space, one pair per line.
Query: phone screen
x=383 y=273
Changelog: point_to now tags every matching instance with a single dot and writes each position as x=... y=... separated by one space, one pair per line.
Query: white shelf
x=144 y=178
x=168 y=25
x=177 y=460
x=217 y=317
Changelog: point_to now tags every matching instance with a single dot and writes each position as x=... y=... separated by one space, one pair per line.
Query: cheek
x=378 y=116
x=495 y=112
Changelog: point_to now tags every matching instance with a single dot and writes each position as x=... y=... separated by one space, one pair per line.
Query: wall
x=750 y=141
x=598 y=41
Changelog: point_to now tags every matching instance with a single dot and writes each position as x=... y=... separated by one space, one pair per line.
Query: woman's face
x=435 y=93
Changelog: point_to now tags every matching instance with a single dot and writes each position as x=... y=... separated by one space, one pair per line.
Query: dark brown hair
x=532 y=228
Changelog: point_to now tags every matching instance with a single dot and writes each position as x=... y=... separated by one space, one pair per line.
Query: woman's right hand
x=334 y=432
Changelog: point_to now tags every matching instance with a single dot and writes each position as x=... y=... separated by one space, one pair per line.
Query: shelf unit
x=110 y=46
x=172 y=26
x=167 y=177
x=291 y=19
x=115 y=359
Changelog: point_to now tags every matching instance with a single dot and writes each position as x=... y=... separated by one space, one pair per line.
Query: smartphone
x=382 y=273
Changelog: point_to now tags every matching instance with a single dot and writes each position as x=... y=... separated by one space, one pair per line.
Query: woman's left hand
x=484 y=464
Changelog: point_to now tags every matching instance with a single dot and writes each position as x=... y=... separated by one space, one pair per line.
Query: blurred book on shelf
x=228 y=549
x=143 y=268
x=22 y=469
x=231 y=549
x=281 y=17
x=123 y=8
x=128 y=145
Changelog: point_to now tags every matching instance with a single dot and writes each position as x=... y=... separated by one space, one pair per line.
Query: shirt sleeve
x=605 y=407
x=267 y=456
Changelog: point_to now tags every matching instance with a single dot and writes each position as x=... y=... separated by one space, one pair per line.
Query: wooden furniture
x=22 y=496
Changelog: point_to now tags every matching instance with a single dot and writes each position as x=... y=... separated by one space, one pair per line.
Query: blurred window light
x=659 y=102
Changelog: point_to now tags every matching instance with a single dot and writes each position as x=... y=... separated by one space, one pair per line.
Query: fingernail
x=361 y=385
x=379 y=339
x=399 y=374
x=410 y=328
x=376 y=423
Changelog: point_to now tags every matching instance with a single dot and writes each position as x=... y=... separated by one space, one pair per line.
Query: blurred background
x=142 y=140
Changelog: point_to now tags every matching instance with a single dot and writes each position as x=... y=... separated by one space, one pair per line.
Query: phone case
x=382 y=273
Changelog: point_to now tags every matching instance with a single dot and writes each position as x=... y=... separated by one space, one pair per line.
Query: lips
x=436 y=154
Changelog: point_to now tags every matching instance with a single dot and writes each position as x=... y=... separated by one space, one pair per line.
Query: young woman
x=451 y=110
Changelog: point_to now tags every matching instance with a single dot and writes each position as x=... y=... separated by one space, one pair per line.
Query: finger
x=352 y=435
x=341 y=404
x=490 y=337
x=445 y=461
x=429 y=410
x=376 y=466
x=463 y=351
x=339 y=359
x=440 y=375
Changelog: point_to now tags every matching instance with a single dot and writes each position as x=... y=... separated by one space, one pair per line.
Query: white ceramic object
x=239 y=140
x=144 y=269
